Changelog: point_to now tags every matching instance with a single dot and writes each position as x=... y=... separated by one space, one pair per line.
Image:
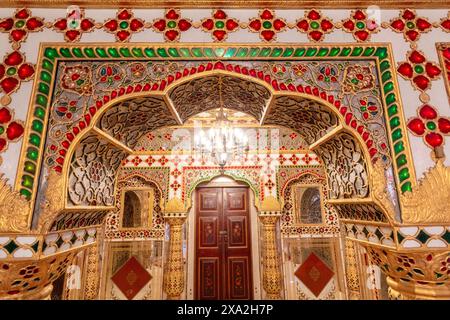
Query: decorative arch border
x=213 y=172
x=50 y=54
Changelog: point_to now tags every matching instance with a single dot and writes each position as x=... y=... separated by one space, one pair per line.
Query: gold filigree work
x=13 y=209
x=54 y=201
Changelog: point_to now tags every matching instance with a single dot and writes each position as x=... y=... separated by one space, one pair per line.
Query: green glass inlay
x=264 y=52
x=360 y=25
x=25 y=193
x=394 y=122
x=2 y=129
x=197 y=52
x=185 y=52
x=381 y=53
x=398 y=147
x=392 y=110
x=418 y=68
x=37 y=125
x=403 y=174
x=368 y=51
x=41 y=100
x=47 y=65
x=113 y=52
x=401 y=160
x=137 y=52
x=35 y=140
x=311 y=52
x=254 y=52
x=446 y=236
x=357 y=51
x=388 y=87
x=219 y=52
x=39 y=112
x=299 y=52
x=208 y=52
x=431 y=125
x=314 y=25
x=30 y=167
x=267 y=25
x=32 y=153
x=242 y=52
x=410 y=25
x=77 y=52
x=418 y=271
x=396 y=134
x=150 y=52
x=65 y=52
x=345 y=52
x=11 y=246
x=230 y=52
x=35 y=246
x=125 y=52
x=400 y=237
x=43 y=88
x=406 y=186
x=11 y=71
x=51 y=53
x=276 y=52
x=322 y=52
x=384 y=65
x=390 y=98
x=386 y=76
x=45 y=76
x=220 y=24
x=334 y=52
x=288 y=52
x=19 y=24
x=171 y=24
x=123 y=25
x=101 y=52
x=27 y=181
x=422 y=236
x=89 y=52
x=173 y=52
x=162 y=52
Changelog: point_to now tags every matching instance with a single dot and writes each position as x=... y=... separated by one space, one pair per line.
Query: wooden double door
x=223 y=249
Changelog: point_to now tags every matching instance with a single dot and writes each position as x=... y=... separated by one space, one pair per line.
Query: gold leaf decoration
x=429 y=201
x=379 y=191
x=54 y=200
x=14 y=209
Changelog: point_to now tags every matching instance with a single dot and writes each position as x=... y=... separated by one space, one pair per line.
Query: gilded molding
x=54 y=200
x=14 y=209
x=428 y=201
x=378 y=185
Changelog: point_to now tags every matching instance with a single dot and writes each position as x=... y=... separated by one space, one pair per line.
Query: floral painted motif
x=74 y=28
x=410 y=25
x=444 y=23
x=358 y=78
x=20 y=25
x=419 y=70
x=360 y=25
x=369 y=107
x=77 y=79
x=267 y=25
x=10 y=130
x=219 y=25
x=124 y=25
x=110 y=74
x=65 y=109
x=172 y=25
x=14 y=70
x=315 y=25
x=430 y=126
x=328 y=73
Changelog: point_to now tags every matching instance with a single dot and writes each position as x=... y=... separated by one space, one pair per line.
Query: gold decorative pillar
x=92 y=273
x=174 y=269
x=270 y=256
x=351 y=271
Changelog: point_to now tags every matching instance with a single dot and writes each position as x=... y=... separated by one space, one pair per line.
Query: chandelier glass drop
x=222 y=141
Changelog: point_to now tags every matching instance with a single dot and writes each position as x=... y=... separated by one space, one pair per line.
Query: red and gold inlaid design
x=131 y=278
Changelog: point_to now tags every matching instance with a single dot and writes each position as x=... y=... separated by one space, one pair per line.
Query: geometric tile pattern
x=18 y=247
x=314 y=274
x=382 y=235
x=62 y=241
x=427 y=237
x=131 y=278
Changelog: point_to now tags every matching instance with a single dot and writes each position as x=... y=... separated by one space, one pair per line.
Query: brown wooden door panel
x=223 y=250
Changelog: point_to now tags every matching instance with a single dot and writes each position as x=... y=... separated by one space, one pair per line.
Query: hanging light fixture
x=222 y=141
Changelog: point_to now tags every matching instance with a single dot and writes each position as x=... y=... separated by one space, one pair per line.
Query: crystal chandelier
x=222 y=142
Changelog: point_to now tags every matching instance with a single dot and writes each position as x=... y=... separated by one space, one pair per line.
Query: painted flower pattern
x=74 y=25
x=20 y=25
x=419 y=70
x=430 y=126
x=13 y=71
x=410 y=25
x=124 y=25
x=358 y=78
x=77 y=79
x=360 y=25
x=172 y=25
x=219 y=25
x=267 y=25
x=10 y=129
